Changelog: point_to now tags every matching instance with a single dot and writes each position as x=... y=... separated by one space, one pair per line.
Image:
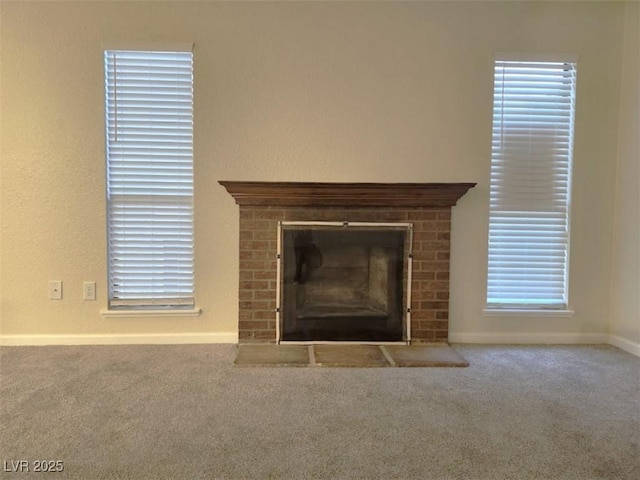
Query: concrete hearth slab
x=425 y=356
x=348 y=355
x=272 y=355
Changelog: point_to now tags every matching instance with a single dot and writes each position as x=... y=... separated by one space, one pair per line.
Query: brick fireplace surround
x=426 y=205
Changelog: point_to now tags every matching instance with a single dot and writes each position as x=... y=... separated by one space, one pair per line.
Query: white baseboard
x=120 y=339
x=548 y=339
x=530 y=338
x=624 y=344
x=200 y=338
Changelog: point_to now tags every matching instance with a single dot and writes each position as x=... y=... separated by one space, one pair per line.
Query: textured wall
x=320 y=91
x=625 y=312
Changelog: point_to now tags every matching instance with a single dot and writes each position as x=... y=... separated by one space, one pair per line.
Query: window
x=149 y=149
x=530 y=193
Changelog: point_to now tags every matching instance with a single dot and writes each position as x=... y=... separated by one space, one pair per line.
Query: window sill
x=194 y=312
x=522 y=312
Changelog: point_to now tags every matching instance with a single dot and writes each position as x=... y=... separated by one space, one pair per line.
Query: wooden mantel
x=308 y=194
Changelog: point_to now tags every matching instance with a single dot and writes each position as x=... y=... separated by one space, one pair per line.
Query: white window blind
x=530 y=192
x=149 y=123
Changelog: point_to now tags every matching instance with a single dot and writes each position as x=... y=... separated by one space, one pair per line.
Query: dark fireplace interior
x=343 y=284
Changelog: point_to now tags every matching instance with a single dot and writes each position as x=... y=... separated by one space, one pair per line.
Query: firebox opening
x=344 y=284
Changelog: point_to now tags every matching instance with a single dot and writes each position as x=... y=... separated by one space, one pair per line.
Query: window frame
x=154 y=305
x=539 y=308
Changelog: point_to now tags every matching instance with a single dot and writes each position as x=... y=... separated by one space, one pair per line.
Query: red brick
x=258 y=245
x=246 y=254
x=300 y=215
x=264 y=295
x=263 y=254
x=269 y=214
x=427 y=305
x=246 y=245
x=363 y=216
x=264 y=234
x=391 y=216
x=254 y=285
x=426 y=295
x=253 y=265
x=421 y=237
x=418 y=314
x=246 y=213
x=256 y=224
x=442 y=255
x=254 y=245
x=423 y=275
x=429 y=246
x=245 y=235
x=422 y=215
x=264 y=314
x=245 y=305
x=265 y=275
x=425 y=325
x=244 y=295
x=435 y=266
x=435 y=285
x=265 y=335
x=424 y=226
x=435 y=245
x=424 y=335
x=423 y=295
x=441 y=335
x=244 y=335
x=256 y=325
x=423 y=256
x=431 y=325
x=246 y=275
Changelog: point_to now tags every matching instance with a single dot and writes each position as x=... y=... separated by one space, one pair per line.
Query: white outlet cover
x=55 y=289
x=89 y=290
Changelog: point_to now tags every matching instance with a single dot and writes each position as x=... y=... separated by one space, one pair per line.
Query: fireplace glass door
x=344 y=282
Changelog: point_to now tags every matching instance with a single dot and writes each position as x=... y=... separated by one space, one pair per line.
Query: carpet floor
x=185 y=412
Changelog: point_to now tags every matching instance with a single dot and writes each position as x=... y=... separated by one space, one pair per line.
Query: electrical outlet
x=55 y=289
x=89 y=290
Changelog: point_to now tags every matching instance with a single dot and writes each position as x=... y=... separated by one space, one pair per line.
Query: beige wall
x=625 y=293
x=395 y=92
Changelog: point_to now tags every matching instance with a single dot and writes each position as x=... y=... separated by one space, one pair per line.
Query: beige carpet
x=348 y=356
x=164 y=412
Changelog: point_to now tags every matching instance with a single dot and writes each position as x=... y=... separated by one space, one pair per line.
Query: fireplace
x=343 y=282
x=306 y=248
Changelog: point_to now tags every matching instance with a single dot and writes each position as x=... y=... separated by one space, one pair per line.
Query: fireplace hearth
x=336 y=283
